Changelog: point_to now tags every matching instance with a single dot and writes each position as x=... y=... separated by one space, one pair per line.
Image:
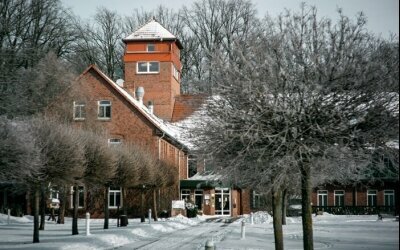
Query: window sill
x=147 y=73
x=103 y=119
x=79 y=119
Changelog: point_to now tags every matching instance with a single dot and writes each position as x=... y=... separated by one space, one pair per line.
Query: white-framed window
x=114 y=142
x=54 y=194
x=185 y=194
x=175 y=72
x=339 y=198
x=104 y=111
x=322 y=198
x=389 y=197
x=79 y=110
x=151 y=47
x=81 y=193
x=114 y=197
x=371 y=197
x=256 y=200
x=148 y=67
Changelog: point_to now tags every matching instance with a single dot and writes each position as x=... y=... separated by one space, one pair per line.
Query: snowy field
x=330 y=231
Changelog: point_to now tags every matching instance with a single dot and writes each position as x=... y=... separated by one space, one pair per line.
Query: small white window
x=104 y=111
x=114 y=197
x=389 y=198
x=148 y=67
x=256 y=200
x=81 y=194
x=371 y=196
x=322 y=198
x=54 y=194
x=339 y=198
x=175 y=72
x=114 y=141
x=79 y=111
x=151 y=47
x=185 y=194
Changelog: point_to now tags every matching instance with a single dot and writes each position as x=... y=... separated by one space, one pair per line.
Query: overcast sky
x=383 y=15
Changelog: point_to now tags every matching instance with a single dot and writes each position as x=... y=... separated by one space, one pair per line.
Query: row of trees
x=40 y=154
x=303 y=100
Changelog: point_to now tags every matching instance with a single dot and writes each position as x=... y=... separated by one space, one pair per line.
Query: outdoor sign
x=178 y=204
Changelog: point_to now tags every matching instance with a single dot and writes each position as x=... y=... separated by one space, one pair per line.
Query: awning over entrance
x=199 y=184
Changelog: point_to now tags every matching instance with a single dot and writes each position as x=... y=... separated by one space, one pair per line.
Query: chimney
x=140 y=94
x=150 y=106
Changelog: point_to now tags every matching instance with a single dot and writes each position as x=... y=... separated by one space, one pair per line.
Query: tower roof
x=152 y=31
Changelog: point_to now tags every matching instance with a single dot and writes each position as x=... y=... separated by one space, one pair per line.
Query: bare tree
x=101 y=167
x=29 y=30
x=60 y=145
x=305 y=88
x=35 y=88
x=216 y=25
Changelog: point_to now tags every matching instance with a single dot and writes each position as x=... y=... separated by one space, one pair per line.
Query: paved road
x=190 y=238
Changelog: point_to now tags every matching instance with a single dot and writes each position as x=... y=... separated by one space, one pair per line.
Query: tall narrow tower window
x=151 y=47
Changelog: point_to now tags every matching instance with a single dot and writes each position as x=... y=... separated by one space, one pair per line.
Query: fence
x=357 y=210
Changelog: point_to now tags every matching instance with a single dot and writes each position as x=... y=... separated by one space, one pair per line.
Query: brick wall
x=161 y=88
x=359 y=193
x=130 y=125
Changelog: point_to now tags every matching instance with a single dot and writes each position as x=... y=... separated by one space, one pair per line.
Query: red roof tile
x=185 y=105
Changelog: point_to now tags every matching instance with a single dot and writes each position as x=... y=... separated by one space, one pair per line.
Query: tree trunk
x=142 y=216
x=36 y=204
x=75 y=213
x=29 y=203
x=61 y=209
x=155 y=205
x=306 y=215
x=277 y=216
x=284 y=206
x=42 y=209
x=124 y=203
x=106 y=210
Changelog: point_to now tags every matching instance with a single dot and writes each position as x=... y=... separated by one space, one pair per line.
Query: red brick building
x=141 y=109
x=380 y=196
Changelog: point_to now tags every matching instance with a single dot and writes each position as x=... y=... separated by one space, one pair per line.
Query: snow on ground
x=330 y=231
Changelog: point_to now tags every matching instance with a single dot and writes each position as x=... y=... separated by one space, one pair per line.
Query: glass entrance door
x=223 y=201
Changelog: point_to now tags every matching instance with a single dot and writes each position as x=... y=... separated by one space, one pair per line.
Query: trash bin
x=124 y=220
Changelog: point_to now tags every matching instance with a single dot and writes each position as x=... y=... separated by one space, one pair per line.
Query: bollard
x=209 y=245
x=8 y=217
x=149 y=215
x=251 y=218
x=243 y=234
x=87 y=224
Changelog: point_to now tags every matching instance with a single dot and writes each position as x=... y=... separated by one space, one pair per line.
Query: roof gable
x=155 y=121
x=152 y=30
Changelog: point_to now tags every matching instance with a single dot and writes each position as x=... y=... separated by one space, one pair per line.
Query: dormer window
x=151 y=47
x=148 y=67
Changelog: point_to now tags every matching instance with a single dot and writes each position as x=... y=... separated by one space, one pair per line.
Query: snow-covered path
x=190 y=238
x=337 y=232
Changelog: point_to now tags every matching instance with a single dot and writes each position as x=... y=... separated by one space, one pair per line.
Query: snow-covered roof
x=206 y=176
x=163 y=126
x=152 y=30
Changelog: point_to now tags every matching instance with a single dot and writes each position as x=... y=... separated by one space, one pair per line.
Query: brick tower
x=152 y=61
